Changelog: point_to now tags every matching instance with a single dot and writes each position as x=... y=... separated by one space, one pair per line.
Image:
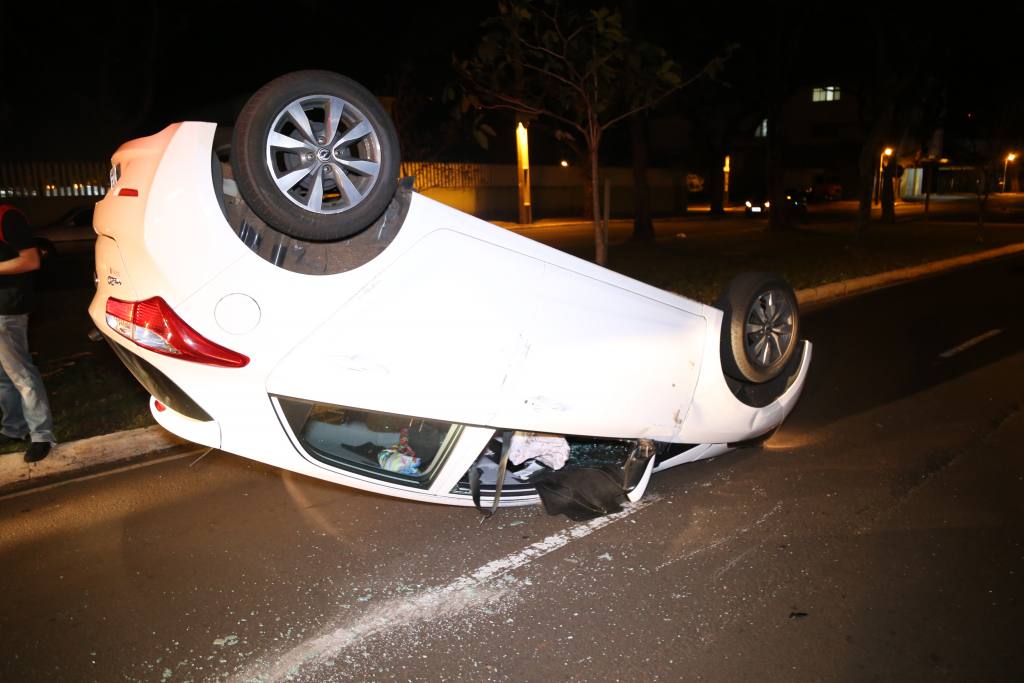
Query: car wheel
x=760 y=327
x=315 y=156
x=222 y=140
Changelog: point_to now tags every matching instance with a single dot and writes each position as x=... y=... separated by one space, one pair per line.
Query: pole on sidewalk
x=523 y=169
x=607 y=207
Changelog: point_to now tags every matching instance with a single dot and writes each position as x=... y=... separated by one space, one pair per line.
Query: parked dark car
x=825 y=188
x=72 y=231
x=795 y=202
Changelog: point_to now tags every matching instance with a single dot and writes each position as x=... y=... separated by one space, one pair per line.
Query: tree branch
x=561 y=79
x=515 y=104
x=548 y=51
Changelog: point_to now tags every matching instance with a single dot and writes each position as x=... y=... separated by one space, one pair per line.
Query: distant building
x=821 y=135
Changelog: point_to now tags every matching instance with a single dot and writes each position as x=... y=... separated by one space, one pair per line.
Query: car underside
x=410 y=349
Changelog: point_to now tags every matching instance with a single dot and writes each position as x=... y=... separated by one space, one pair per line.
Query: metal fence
x=457 y=176
x=53 y=179
x=90 y=179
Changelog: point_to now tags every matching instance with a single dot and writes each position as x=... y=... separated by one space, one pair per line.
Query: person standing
x=26 y=410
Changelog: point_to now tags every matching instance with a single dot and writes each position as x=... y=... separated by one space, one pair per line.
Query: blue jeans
x=22 y=394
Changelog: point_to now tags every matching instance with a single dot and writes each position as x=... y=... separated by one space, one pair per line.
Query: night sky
x=79 y=81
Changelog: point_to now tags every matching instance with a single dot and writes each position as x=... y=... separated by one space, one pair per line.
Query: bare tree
x=576 y=68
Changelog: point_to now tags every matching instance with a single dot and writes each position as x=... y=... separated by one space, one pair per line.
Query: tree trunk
x=643 y=227
x=928 y=172
x=981 y=189
x=778 y=214
x=714 y=183
x=604 y=220
x=870 y=155
x=888 y=196
x=588 y=192
x=864 y=206
x=868 y=166
x=600 y=238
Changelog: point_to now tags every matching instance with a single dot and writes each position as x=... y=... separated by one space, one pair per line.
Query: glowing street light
x=1006 y=162
x=523 y=167
x=887 y=152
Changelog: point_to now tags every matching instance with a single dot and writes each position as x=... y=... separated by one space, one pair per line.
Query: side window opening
x=411 y=451
x=400 y=448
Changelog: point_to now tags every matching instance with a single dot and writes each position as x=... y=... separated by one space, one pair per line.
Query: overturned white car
x=285 y=298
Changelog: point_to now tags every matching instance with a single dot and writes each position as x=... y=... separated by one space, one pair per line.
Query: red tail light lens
x=153 y=325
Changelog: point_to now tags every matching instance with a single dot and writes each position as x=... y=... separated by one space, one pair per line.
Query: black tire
x=223 y=137
x=349 y=182
x=760 y=328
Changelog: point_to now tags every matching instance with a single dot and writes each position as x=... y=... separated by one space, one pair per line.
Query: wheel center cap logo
x=323 y=154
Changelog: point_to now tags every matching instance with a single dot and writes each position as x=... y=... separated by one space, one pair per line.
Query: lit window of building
x=829 y=93
x=762 y=129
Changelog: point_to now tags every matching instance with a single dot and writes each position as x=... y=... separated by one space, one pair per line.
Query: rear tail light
x=153 y=325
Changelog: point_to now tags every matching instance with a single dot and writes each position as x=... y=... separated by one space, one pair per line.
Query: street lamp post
x=523 y=167
x=1006 y=162
x=725 y=182
x=887 y=152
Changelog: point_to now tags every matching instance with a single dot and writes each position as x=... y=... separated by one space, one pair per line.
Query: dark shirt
x=16 y=291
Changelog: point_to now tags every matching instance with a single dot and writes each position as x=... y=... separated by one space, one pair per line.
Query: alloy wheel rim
x=323 y=154
x=768 y=332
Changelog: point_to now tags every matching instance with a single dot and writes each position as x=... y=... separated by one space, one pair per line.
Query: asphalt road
x=879 y=536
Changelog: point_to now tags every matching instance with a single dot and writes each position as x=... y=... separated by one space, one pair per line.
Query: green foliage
x=576 y=66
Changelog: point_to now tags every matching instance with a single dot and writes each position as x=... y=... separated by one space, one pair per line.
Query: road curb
x=77 y=458
x=859 y=285
x=86 y=456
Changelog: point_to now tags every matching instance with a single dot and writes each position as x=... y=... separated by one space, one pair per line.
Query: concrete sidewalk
x=86 y=456
x=101 y=453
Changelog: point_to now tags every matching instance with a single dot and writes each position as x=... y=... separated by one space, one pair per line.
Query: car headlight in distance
x=749 y=205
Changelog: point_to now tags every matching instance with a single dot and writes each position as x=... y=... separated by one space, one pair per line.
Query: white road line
x=968 y=344
x=467 y=591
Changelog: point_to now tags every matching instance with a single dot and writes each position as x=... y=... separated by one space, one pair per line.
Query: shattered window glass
x=582 y=452
x=596 y=452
